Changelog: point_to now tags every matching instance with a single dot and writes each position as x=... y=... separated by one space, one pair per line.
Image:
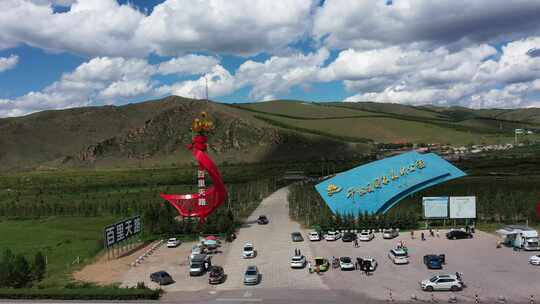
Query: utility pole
x=206 y=87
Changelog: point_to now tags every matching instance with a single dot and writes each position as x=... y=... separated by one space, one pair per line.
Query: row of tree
x=17 y=272
x=307 y=207
x=505 y=201
x=162 y=219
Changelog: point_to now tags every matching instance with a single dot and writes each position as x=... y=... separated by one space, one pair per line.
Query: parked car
x=252 y=275
x=433 y=261
x=348 y=237
x=346 y=263
x=199 y=264
x=535 y=260
x=196 y=249
x=323 y=264
x=371 y=262
x=297 y=237
x=332 y=236
x=262 y=220
x=161 y=277
x=314 y=236
x=390 y=233
x=216 y=275
x=173 y=242
x=442 y=282
x=398 y=256
x=248 y=251
x=458 y=234
x=298 y=261
x=366 y=235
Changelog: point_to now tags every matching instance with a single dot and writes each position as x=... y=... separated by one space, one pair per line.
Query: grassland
x=388 y=129
x=61 y=239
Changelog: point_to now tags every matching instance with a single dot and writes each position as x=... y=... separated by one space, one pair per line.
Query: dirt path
x=105 y=271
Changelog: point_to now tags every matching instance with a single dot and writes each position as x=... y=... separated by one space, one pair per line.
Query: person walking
x=423 y=236
x=438 y=235
x=412 y=234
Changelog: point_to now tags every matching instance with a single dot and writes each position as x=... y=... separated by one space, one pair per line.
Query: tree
x=6 y=268
x=22 y=274
x=39 y=267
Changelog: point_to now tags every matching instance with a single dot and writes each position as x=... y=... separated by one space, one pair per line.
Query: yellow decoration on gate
x=332 y=189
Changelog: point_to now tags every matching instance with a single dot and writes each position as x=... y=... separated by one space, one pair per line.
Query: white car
x=398 y=256
x=248 y=251
x=332 y=236
x=390 y=233
x=298 y=261
x=173 y=242
x=442 y=282
x=535 y=260
x=196 y=249
x=346 y=263
x=372 y=261
x=314 y=236
x=366 y=235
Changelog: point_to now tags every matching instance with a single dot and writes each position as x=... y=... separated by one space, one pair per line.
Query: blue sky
x=84 y=53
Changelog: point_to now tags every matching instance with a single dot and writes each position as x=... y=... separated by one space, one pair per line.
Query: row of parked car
x=364 y=235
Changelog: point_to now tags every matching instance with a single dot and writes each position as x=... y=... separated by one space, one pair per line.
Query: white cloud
x=7 y=63
x=367 y=24
x=102 y=79
x=189 y=64
x=279 y=74
x=106 y=28
x=100 y=27
x=477 y=76
x=237 y=27
x=220 y=82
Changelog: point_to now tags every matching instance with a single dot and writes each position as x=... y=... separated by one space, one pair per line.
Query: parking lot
x=487 y=271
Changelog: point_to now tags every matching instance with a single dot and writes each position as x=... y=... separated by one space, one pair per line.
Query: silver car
x=252 y=275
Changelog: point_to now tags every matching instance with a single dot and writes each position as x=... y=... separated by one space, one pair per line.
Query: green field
x=61 y=239
x=387 y=129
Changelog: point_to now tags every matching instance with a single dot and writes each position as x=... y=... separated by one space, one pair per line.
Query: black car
x=297 y=237
x=262 y=220
x=349 y=237
x=458 y=234
x=162 y=278
x=216 y=275
x=433 y=261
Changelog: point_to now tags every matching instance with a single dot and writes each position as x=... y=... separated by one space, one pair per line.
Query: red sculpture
x=203 y=203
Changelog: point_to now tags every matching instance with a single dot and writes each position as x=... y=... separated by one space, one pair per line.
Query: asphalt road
x=262 y=295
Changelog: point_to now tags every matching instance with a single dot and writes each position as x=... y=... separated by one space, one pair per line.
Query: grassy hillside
x=154 y=133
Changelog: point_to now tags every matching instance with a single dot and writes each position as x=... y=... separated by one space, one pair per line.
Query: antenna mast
x=206 y=88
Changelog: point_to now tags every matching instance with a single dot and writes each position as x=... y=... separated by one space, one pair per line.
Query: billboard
x=462 y=207
x=377 y=186
x=114 y=234
x=435 y=207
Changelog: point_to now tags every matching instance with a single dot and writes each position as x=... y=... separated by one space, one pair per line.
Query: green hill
x=155 y=133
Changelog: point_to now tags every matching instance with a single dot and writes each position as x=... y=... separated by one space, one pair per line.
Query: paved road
x=263 y=295
x=274 y=249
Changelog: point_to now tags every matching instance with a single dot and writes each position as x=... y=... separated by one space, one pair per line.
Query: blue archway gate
x=379 y=185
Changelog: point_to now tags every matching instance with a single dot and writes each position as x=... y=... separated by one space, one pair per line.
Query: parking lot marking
x=238 y=300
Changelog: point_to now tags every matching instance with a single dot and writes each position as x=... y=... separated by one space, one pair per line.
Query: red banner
x=188 y=204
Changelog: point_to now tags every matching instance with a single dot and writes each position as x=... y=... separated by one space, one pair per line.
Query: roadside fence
x=148 y=253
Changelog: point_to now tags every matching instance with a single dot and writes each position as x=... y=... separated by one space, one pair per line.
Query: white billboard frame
x=462 y=207
x=435 y=199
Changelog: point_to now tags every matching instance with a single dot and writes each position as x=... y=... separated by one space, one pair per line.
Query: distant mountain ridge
x=154 y=133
